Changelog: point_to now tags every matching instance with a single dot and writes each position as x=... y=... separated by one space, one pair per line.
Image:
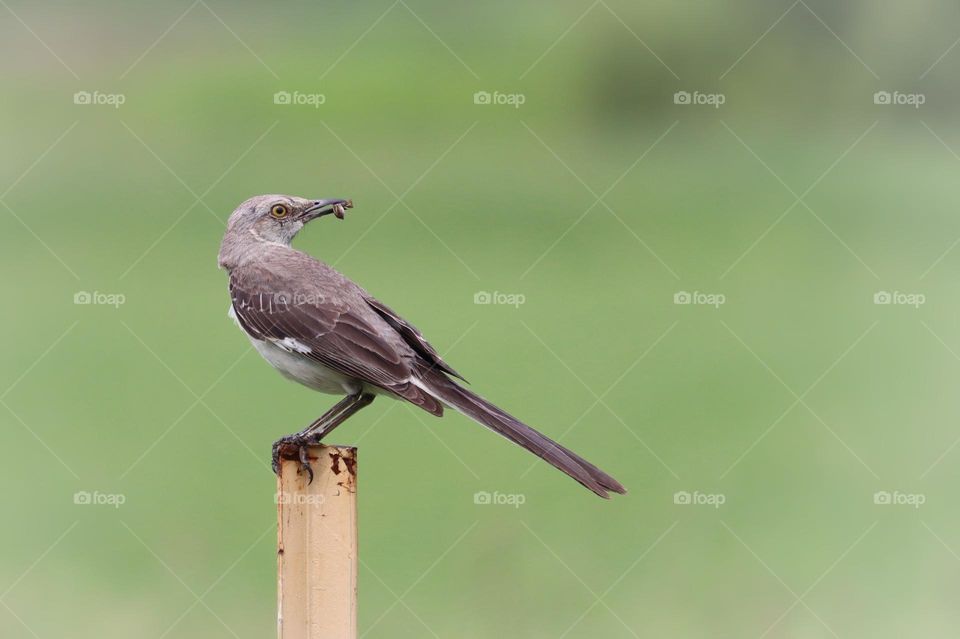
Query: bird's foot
x=294 y=447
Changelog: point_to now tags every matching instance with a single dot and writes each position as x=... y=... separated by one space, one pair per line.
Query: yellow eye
x=278 y=211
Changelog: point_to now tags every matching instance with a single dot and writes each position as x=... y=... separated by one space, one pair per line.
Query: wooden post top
x=317 y=561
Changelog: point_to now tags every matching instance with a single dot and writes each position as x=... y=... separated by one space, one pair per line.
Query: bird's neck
x=240 y=246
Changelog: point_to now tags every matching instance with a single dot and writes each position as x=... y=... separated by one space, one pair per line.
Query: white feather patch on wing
x=291 y=345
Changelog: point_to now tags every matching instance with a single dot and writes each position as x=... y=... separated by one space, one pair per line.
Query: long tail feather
x=499 y=421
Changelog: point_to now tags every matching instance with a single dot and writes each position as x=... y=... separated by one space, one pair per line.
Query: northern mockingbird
x=320 y=329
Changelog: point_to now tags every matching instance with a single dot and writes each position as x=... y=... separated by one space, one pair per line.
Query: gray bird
x=320 y=329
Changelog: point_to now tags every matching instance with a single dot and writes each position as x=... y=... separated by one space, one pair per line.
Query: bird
x=320 y=329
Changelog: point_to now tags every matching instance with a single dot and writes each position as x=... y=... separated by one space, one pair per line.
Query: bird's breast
x=289 y=357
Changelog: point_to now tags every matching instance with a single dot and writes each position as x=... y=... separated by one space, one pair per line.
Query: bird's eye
x=278 y=211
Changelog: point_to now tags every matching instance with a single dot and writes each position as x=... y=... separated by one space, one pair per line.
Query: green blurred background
x=599 y=200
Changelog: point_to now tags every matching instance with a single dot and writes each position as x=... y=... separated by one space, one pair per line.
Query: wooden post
x=317 y=546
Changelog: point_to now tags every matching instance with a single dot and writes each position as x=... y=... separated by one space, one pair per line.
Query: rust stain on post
x=317 y=547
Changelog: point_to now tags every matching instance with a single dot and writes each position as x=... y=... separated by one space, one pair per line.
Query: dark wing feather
x=412 y=335
x=339 y=337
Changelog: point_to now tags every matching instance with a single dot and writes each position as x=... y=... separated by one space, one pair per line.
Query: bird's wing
x=310 y=321
x=412 y=336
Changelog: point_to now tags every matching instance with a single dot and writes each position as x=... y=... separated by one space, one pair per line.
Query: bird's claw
x=293 y=447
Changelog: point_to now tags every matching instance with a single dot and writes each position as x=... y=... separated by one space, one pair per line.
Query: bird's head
x=275 y=218
x=278 y=218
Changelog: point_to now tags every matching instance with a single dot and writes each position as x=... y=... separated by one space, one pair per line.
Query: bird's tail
x=480 y=410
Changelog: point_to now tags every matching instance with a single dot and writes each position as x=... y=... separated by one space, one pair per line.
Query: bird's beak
x=319 y=208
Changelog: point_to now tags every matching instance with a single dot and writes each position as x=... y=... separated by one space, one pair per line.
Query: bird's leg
x=330 y=414
x=295 y=446
x=317 y=432
x=295 y=441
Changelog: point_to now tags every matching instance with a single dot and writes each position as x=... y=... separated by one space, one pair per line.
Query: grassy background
x=796 y=400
